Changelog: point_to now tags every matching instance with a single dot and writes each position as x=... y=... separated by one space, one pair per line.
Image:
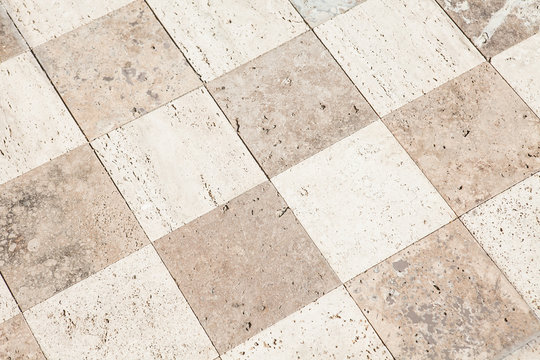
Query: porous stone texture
x=291 y=103
x=130 y=310
x=8 y=306
x=530 y=351
x=59 y=224
x=116 y=68
x=443 y=298
x=17 y=341
x=315 y=12
x=11 y=42
x=473 y=137
x=221 y=261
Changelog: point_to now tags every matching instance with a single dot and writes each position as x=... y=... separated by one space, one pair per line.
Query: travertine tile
x=11 y=42
x=59 y=224
x=8 y=306
x=40 y=21
x=397 y=50
x=362 y=200
x=17 y=341
x=130 y=310
x=116 y=68
x=246 y=265
x=443 y=298
x=508 y=228
x=291 y=103
x=495 y=25
x=218 y=36
x=333 y=327
x=530 y=351
x=315 y=12
x=178 y=162
x=473 y=137
x=35 y=126
x=519 y=66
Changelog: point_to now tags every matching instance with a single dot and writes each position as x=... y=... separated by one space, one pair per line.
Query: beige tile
x=443 y=298
x=130 y=310
x=35 y=126
x=11 y=42
x=8 y=306
x=245 y=265
x=362 y=200
x=530 y=351
x=61 y=223
x=178 y=162
x=291 y=103
x=40 y=21
x=315 y=12
x=397 y=50
x=495 y=25
x=17 y=341
x=218 y=36
x=519 y=66
x=333 y=327
x=116 y=68
x=472 y=137
x=508 y=228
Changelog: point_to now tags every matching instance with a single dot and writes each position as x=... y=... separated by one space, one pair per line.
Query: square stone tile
x=333 y=327
x=246 y=265
x=8 y=306
x=291 y=103
x=495 y=25
x=130 y=310
x=519 y=66
x=61 y=223
x=315 y=12
x=17 y=341
x=40 y=21
x=443 y=298
x=530 y=351
x=508 y=228
x=218 y=36
x=35 y=126
x=178 y=162
x=117 y=68
x=362 y=200
x=397 y=50
x=473 y=137
x=11 y=42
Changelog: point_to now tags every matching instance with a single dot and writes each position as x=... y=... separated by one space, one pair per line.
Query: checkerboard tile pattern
x=283 y=179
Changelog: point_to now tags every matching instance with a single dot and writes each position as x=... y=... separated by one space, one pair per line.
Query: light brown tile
x=245 y=265
x=116 y=68
x=473 y=137
x=291 y=103
x=11 y=42
x=60 y=223
x=494 y=25
x=17 y=341
x=443 y=298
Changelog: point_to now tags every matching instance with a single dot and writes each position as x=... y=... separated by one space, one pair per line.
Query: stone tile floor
x=270 y=179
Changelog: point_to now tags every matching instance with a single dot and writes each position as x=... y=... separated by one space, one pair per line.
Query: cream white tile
x=397 y=50
x=40 y=21
x=178 y=162
x=520 y=66
x=218 y=36
x=35 y=126
x=362 y=200
x=333 y=327
x=130 y=310
x=8 y=306
x=508 y=228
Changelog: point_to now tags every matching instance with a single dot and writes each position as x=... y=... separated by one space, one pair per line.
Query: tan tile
x=11 y=42
x=116 y=68
x=8 y=306
x=472 y=137
x=495 y=25
x=443 y=298
x=245 y=265
x=59 y=224
x=17 y=342
x=291 y=103
x=530 y=351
